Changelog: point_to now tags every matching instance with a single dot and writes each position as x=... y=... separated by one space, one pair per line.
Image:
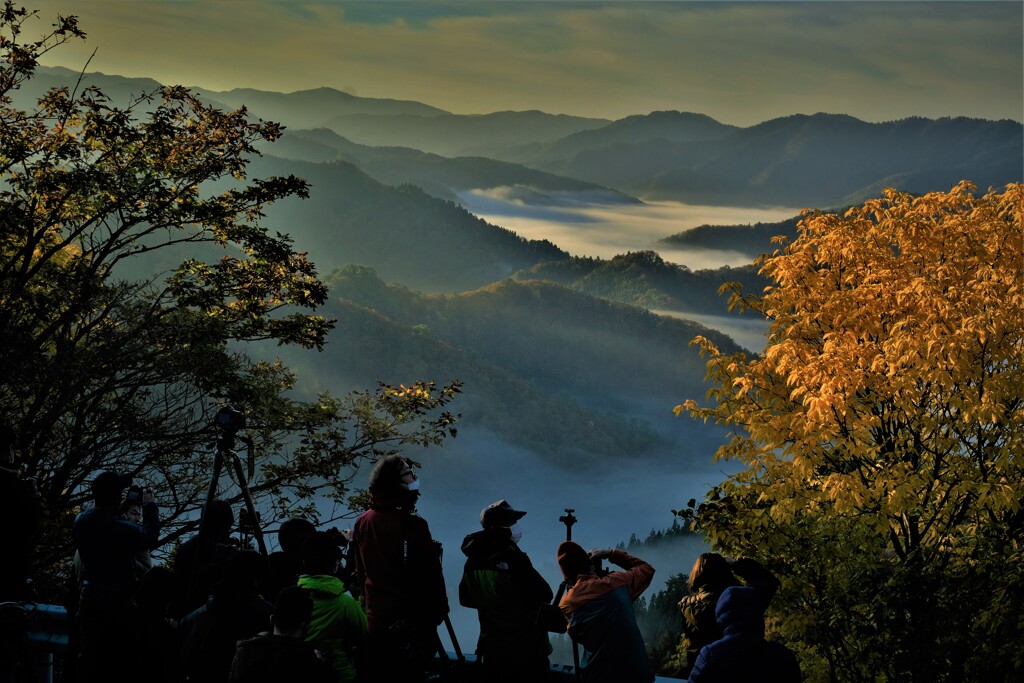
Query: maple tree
x=880 y=436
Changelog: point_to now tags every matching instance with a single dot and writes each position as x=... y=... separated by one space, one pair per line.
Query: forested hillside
x=542 y=366
x=646 y=280
x=404 y=233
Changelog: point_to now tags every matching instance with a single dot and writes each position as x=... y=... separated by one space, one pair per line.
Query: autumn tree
x=881 y=438
x=135 y=276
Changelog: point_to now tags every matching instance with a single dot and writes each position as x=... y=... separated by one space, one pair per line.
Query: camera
x=230 y=419
x=133 y=496
x=247 y=524
x=337 y=536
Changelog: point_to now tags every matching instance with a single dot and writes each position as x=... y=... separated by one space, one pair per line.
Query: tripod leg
x=247 y=495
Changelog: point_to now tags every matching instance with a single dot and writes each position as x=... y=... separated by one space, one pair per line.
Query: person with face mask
x=396 y=566
x=501 y=584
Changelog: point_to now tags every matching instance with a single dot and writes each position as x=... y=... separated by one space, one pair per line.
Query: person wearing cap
x=107 y=545
x=501 y=584
x=600 y=616
x=397 y=566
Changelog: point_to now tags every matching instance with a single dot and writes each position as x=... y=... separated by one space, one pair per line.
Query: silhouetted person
x=711 y=574
x=153 y=639
x=398 y=567
x=599 y=610
x=742 y=653
x=337 y=626
x=107 y=545
x=234 y=611
x=501 y=584
x=200 y=560
x=21 y=511
x=282 y=655
x=285 y=564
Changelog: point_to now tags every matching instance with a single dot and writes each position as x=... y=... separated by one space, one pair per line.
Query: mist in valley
x=585 y=228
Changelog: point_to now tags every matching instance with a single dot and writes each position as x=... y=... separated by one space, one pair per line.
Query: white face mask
x=414 y=486
x=517 y=532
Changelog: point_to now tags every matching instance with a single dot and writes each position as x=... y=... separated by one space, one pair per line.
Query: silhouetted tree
x=135 y=275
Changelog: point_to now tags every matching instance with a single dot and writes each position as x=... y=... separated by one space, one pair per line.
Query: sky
x=739 y=62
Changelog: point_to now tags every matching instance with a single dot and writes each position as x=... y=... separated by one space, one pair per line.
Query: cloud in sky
x=739 y=62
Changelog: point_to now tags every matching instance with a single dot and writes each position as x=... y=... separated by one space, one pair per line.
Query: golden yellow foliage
x=888 y=404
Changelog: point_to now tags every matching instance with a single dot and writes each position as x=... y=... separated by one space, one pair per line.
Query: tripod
x=226 y=451
x=568 y=519
x=228 y=421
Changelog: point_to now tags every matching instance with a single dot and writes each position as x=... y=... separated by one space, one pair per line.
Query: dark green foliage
x=752 y=240
x=660 y=623
x=644 y=279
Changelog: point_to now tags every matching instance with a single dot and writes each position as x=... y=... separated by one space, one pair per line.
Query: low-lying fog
x=584 y=228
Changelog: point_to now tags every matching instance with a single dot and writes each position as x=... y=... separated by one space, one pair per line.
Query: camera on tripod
x=228 y=420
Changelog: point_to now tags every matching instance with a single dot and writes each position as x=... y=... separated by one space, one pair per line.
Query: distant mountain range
x=437 y=175
x=800 y=160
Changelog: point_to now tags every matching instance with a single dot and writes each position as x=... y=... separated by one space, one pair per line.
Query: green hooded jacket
x=338 y=625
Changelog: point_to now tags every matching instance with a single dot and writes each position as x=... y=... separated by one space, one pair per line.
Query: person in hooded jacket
x=600 y=615
x=397 y=566
x=712 y=573
x=501 y=584
x=337 y=625
x=282 y=654
x=742 y=653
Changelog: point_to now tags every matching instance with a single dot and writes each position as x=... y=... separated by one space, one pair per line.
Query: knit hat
x=573 y=560
x=500 y=513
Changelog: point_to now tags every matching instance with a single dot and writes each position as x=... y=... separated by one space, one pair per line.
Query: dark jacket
x=19 y=501
x=700 y=627
x=278 y=659
x=501 y=584
x=107 y=546
x=398 y=568
x=601 y=619
x=198 y=564
x=210 y=634
x=742 y=654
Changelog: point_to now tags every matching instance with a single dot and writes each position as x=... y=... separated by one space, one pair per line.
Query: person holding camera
x=397 y=565
x=598 y=607
x=712 y=573
x=501 y=584
x=107 y=545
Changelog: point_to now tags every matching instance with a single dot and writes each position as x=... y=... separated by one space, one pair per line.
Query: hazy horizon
x=739 y=62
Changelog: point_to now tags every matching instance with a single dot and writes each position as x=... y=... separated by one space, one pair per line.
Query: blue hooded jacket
x=742 y=654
